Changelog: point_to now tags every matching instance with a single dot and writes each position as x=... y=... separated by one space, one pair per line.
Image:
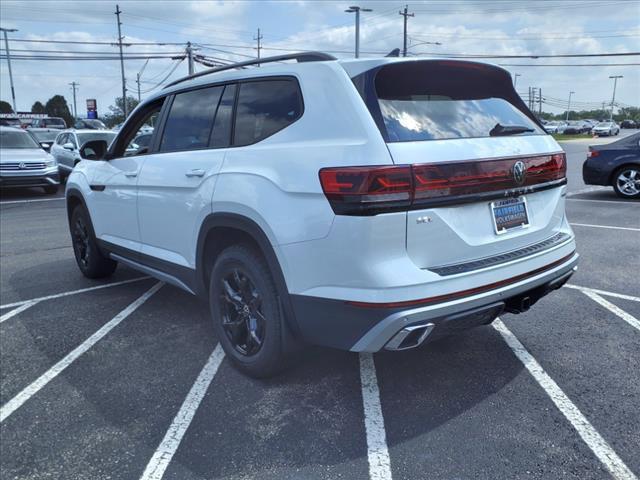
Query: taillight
x=367 y=190
x=592 y=153
x=373 y=190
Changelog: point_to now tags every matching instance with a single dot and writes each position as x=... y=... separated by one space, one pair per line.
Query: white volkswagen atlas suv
x=357 y=204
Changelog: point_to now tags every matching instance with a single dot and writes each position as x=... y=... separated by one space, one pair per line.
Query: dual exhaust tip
x=410 y=337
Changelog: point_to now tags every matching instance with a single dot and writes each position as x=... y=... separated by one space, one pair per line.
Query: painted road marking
x=16 y=311
x=601 y=201
x=17 y=401
x=604 y=226
x=72 y=292
x=586 y=190
x=12 y=202
x=630 y=319
x=171 y=441
x=604 y=292
x=377 y=451
x=587 y=432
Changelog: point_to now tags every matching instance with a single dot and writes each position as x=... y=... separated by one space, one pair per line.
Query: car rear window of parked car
x=422 y=101
x=17 y=140
x=190 y=120
x=264 y=108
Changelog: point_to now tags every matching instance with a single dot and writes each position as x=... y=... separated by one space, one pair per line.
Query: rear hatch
x=486 y=176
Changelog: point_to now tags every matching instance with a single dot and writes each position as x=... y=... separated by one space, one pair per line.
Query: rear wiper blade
x=501 y=130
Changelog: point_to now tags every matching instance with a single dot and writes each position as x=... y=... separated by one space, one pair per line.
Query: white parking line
x=17 y=401
x=601 y=201
x=604 y=226
x=587 y=432
x=171 y=441
x=586 y=190
x=630 y=319
x=377 y=452
x=72 y=292
x=36 y=200
x=604 y=292
x=16 y=311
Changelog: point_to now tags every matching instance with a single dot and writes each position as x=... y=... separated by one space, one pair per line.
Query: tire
x=52 y=190
x=246 y=312
x=91 y=262
x=623 y=182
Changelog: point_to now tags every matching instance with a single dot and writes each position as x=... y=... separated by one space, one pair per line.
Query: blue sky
x=227 y=30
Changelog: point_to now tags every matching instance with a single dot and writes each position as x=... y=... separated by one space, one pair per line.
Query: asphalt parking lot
x=123 y=379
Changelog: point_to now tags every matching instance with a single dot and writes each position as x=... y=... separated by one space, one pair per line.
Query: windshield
x=604 y=124
x=44 y=136
x=88 y=137
x=422 y=101
x=17 y=140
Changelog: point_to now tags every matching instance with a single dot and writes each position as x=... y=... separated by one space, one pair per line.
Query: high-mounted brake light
x=373 y=190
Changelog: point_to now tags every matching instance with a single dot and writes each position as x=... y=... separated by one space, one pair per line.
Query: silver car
x=23 y=163
x=606 y=129
x=66 y=148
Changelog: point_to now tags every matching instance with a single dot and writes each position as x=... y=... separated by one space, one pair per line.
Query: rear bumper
x=361 y=328
x=593 y=175
x=43 y=178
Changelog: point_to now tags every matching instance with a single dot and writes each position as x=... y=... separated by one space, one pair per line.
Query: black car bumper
x=21 y=181
x=592 y=173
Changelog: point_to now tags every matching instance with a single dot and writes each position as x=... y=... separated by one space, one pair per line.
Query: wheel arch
x=73 y=199
x=622 y=165
x=220 y=230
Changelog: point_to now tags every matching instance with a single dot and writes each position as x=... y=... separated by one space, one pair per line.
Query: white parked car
x=342 y=203
x=66 y=148
x=23 y=162
x=606 y=129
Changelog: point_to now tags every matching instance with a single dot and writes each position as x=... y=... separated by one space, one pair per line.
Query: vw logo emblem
x=519 y=172
x=22 y=166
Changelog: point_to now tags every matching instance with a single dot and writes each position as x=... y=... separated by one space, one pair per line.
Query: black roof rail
x=300 y=57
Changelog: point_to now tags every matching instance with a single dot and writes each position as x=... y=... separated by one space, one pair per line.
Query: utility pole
x=539 y=103
x=74 y=85
x=613 y=99
x=569 y=105
x=258 y=38
x=6 y=47
x=138 y=75
x=515 y=79
x=189 y=58
x=357 y=11
x=124 y=85
x=406 y=16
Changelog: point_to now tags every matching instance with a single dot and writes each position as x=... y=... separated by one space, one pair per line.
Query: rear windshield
x=435 y=101
x=86 y=137
x=17 y=140
x=45 y=135
x=54 y=122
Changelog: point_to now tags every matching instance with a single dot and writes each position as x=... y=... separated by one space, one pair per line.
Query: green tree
x=116 y=115
x=38 y=107
x=5 y=107
x=57 y=106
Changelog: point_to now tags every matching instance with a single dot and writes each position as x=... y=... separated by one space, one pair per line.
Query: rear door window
x=426 y=101
x=190 y=120
x=264 y=108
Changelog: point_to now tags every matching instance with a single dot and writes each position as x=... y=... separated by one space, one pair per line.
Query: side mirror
x=45 y=146
x=94 y=150
x=68 y=146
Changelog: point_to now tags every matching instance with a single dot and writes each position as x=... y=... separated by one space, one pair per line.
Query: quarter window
x=264 y=108
x=190 y=119
x=221 y=136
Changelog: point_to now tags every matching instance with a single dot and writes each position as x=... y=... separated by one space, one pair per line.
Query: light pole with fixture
x=6 y=47
x=569 y=105
x=613 y=99
x=357 y=11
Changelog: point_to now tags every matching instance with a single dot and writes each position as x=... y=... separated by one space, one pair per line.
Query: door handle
x=131 y=174
x=196 y=172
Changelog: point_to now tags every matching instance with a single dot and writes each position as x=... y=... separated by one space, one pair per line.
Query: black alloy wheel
x=243 y=320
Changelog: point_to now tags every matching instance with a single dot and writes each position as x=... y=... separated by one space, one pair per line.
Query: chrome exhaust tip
x=410 y=337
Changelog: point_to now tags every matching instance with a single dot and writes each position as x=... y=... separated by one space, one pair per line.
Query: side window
x=265 y=107
x=221 y=135
x=61 y=139
x=72 y=139
x=190 y=120
x=144 y=122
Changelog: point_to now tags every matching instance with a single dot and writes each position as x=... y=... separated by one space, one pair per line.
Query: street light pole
x=357 y=11
x=569 y=105
x=6 y=47
x=515 y=79
x=124 y=83
x=613 y=99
